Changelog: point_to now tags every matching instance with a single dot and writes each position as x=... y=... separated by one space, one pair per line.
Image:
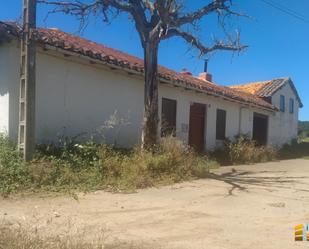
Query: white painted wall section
x=283 y=126
x=78 y=99
x=4 y=113
x=4 y=94
x=9 y=88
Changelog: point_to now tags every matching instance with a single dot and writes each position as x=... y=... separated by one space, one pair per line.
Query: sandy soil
x=254 y=206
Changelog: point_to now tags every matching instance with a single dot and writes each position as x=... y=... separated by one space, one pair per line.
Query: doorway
x=260 y=129
x=197 y=126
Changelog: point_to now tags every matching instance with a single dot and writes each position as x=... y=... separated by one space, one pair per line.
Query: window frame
x=291 y=106
x=171 y=129
x=221 y=130
x=282 y=103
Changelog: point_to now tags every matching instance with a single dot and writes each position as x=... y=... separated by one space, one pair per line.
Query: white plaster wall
x=9 y=90
x=246 y=124
x=76 y=98
x=4 y=93
x=4 y=113
x=283 y=126
x=73 y=99
x=234 y=125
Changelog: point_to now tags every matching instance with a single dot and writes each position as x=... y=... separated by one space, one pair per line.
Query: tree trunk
x=151 y=119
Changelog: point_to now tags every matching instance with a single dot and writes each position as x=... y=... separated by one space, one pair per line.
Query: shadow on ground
x=244 y=180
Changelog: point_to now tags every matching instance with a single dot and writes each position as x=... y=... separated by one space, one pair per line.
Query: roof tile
x=266 y=89
x=68 y=42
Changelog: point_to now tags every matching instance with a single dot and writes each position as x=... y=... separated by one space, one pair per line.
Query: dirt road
x=254 y=206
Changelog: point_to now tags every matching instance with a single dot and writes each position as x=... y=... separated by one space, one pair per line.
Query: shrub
x=243 y=150
x=171 y=162
x=90 y=166
x=297 y=149
x=14 y=173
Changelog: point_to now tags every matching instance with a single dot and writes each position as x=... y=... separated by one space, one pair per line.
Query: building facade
x=81 y=94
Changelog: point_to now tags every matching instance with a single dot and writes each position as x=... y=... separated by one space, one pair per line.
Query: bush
x=14 y=173
x=171 y=162
x=242 y=151
x=297 y=149
x=89 y=166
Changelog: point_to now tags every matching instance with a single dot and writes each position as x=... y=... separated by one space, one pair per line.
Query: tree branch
x=81 y=9
x=218 y=45
x=215 y=5
x=149 y=5
x=121 y=5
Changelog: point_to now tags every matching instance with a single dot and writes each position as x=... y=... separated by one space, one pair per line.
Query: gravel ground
x=250 y=206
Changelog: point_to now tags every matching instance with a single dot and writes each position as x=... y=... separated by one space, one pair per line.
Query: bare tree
x=155 y=20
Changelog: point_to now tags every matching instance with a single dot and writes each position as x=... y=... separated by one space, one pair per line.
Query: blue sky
x=278 y=43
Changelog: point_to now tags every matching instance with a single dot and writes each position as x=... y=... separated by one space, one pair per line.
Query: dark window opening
x=221 y=125
x=291 y=106
x=282 y=103
x=168 y=123
x=260 y=129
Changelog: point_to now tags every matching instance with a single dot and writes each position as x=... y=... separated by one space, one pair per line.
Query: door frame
x=204 y=123
x=260 y=115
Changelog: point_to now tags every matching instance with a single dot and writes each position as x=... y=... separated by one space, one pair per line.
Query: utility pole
x=26 y=131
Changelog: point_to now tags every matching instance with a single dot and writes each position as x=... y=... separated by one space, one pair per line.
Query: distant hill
x=303 y=127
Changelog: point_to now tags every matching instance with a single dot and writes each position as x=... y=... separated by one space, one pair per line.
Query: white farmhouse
x=82 y=84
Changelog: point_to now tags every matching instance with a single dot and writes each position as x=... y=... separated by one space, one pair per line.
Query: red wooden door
x=197 y=126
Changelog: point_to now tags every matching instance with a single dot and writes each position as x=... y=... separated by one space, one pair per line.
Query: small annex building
x=86 y=89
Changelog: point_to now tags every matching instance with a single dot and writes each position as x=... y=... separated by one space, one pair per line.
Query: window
x=221 y=124
x=168 y=123
x=291 y=106
x=282 y=103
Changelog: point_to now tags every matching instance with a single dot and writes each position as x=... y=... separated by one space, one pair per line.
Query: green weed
x=90 y=166
x=244 y=151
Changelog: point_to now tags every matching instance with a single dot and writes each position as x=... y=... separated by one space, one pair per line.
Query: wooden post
x=26 y=132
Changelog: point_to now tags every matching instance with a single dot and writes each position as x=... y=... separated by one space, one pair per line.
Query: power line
x=286 y=10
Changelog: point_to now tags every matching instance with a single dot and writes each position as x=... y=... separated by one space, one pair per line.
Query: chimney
x=54 y=29
x=186 y=72
x=205 y=75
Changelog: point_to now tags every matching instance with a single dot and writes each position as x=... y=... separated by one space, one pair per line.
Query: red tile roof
x=252 y=88
x=268 y=88
x=75 y=44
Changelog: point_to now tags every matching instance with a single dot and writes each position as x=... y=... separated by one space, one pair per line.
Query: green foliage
x=13 y=172
x=89 y=166
x=303 y=129
x=243 y=151
x=171 y=162
x=303 y=126
x=297 y=149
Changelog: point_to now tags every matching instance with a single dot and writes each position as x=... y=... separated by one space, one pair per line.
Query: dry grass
x=18 y=237
x=243 y=150
x=74 y=167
